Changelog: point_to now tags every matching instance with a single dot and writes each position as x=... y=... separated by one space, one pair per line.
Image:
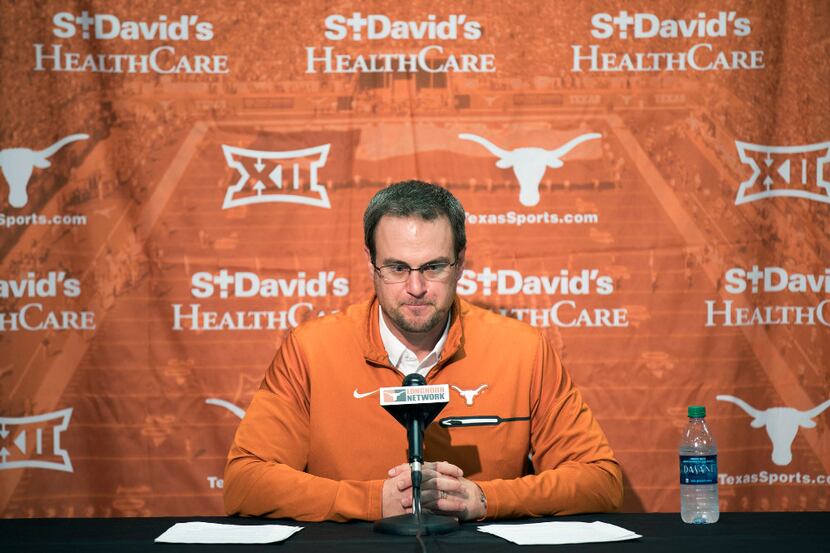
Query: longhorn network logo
x=289 y=176
x=782 y=424
x=17 y=165
x=530 y=163
x=784 y=171
x=35 y=441
x=394 y=396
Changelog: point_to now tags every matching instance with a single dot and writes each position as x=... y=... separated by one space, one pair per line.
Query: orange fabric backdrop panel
x=183 y=182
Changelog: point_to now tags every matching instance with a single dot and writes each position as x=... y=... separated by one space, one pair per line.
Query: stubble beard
x=407 y=325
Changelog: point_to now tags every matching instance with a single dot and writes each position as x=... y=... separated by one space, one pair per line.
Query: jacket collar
x=365 y=317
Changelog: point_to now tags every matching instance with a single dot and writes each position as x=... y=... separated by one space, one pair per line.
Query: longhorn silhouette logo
x=468 y=395
x=782 y=424
x=529 y=164
x=17 y=165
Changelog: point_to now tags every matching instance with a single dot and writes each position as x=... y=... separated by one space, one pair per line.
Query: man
x=316 y=445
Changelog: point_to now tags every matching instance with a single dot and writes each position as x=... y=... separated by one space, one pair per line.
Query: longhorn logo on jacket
x=530 y=163
x=469 y=395
x=17 y=165
x=782 y=424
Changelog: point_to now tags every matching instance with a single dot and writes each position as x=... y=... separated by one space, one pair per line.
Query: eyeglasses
x=399 y=272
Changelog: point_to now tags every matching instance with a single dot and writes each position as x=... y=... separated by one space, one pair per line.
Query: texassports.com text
x=772 y=478
x=544 y=218
x=9 y=221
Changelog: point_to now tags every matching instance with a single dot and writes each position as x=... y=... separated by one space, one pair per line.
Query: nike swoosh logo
x=358 y=395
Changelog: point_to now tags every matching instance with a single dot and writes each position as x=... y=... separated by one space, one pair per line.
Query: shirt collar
x=395 y=349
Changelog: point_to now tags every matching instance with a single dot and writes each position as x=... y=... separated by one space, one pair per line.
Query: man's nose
x=415 y=284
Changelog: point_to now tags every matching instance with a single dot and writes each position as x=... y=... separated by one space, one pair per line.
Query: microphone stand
x=416 y=523
x=416 y=418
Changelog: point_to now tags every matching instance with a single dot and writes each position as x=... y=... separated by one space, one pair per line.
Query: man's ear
x=369 y=264
x=460 y=260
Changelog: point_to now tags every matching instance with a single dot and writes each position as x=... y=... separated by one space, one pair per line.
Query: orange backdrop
x=182 y=182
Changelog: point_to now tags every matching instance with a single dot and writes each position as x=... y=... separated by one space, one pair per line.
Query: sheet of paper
x=208 y=532
x=559 y=533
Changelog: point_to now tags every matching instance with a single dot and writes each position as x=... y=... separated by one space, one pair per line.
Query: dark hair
x=414 y=197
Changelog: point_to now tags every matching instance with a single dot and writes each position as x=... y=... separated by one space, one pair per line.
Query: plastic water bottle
x=698 y=471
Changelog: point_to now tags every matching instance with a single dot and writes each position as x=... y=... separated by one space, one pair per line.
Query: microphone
x=415 y=405
x=415 y=418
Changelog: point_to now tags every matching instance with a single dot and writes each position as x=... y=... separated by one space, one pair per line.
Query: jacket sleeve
x=575 y=469
x=264 y=475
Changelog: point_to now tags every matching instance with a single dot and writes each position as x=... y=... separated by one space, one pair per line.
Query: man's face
x=416 y=305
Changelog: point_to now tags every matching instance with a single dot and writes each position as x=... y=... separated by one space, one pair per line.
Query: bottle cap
x=697 y=411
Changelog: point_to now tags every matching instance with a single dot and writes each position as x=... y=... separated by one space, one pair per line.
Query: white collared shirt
x=404 y=359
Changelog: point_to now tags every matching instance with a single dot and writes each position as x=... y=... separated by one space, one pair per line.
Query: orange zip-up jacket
x=315 y=444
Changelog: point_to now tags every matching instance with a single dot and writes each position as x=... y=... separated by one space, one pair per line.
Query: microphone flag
x=429 y=400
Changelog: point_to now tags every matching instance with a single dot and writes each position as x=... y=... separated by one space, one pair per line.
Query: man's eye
x=398 y=268
x=435 y=267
